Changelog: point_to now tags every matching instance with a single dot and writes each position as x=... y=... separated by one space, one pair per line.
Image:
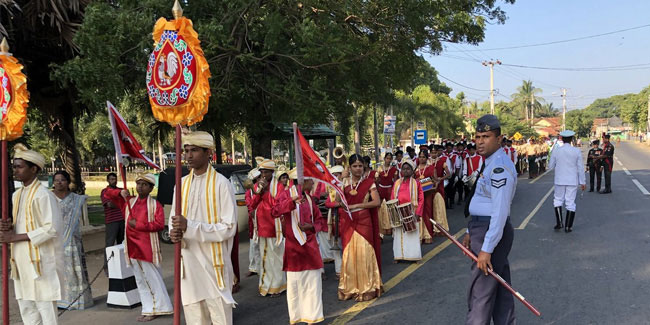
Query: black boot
x=571 y=215
x=558 y=218
x=568 y=220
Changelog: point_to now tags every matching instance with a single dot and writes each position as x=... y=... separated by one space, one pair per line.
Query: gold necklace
x=354 y=191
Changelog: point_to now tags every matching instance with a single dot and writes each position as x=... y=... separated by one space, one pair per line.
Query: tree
x=278 y=61
x=579 y=122
x=41 y=34
x=522 y=98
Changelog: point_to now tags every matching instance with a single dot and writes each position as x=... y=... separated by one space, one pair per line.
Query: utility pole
x=491 y=65
x=532 y=108
x=563 y=109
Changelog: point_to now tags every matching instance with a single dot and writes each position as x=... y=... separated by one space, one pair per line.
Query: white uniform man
x=206 y=230
x=569 y=174
x=36 y=244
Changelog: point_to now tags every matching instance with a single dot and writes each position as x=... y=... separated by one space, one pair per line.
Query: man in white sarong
x=144 y=219
x=272 y=281
x=36 y=246
x=205 y=229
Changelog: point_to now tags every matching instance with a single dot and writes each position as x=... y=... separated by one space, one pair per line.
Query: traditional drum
x=427 y=184
x=409 y=221
x=393 y=214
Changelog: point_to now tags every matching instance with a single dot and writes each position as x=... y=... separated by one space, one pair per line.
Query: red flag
x=310 y=166
x=125 y=143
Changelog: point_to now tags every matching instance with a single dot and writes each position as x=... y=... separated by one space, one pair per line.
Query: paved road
x=599 y=274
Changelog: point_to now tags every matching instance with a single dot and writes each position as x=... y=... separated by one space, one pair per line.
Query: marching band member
x=460 y=151
x=531 y=155
x=569 y=174
x=473 y=164
x=424 y=170
x=272 y=280
x=386 y=175
x=254 y=246
x=144 y=220
x=333 y=228
x=406 y=245
x=302 y=259
x=360 y=270
x=454 y=167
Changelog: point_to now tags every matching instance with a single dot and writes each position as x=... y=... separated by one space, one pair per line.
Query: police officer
x=490 y=232
x=569 y=174
x=594 y=165
x=607 y=159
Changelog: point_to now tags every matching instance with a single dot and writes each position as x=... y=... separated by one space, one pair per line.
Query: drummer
x=406 y=245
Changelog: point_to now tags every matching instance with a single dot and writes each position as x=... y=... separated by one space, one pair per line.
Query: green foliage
x=511 y=125
x=276 y=60
x=580 y=122
x=631 y=108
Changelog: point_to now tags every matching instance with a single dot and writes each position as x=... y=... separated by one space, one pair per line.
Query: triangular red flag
x=125 y=143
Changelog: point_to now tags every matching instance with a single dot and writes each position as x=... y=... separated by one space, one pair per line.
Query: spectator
x=113 y=217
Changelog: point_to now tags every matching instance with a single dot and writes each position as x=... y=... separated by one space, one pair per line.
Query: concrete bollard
x=122 y=289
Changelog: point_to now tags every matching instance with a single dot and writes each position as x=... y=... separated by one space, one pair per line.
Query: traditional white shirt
x=207 y=242
x=37 y=264
x=567 y=162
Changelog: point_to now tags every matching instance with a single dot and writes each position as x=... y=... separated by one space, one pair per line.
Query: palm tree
x=547 y=110
x=526 y=93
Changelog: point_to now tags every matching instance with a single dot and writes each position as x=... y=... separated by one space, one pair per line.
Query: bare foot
x=235 y=288
x=250 y=273
x=145 y=318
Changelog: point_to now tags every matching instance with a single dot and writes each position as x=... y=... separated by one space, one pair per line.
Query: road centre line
x=540 y=176
x=627 y=172
x=357 y=308
x=641 y=188
x=532 y=213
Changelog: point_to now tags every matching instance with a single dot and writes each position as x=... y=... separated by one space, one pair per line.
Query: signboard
x=420 y=137
x=389 y=124
x=517 y=136
x=420 y=126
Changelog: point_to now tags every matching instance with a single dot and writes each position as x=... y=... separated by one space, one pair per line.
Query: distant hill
x=607 y=107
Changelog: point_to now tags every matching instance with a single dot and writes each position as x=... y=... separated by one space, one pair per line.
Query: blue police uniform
x=490 y=231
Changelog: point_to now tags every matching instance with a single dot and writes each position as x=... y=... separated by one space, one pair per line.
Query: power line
x=443 y=77
x=641 y=66
x=560 y=41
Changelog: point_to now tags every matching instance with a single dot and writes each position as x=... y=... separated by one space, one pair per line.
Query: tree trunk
x=374 y=115
x=65 y=120
x=218 y=149
x=261 y=144
x=357 y=138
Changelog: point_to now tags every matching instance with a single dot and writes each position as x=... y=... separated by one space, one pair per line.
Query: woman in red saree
x=360 y=269
x=385 y=178
x=425 y=170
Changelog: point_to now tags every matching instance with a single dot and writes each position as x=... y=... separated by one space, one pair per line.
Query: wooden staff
x=178 y=169
x=5 y=246
x=492 y=273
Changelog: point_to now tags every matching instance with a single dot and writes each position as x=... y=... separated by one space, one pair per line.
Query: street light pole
x=491 y=65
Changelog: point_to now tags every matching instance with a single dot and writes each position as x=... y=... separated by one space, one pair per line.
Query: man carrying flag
x=207 y=229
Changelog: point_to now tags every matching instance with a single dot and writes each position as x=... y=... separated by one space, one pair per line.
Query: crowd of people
x=293 y=228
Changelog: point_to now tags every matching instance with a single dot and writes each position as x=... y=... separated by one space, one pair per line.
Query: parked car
x=169 y=155
x=235 y=173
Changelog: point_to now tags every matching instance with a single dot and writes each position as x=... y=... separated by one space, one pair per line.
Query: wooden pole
x=5 y=246
x=177 y=247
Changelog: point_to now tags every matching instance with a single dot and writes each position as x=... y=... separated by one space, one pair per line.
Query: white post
x=563 y=109
x=232 y=142
x=491 y=88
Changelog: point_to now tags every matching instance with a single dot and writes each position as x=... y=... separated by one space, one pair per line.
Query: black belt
x=481 y=218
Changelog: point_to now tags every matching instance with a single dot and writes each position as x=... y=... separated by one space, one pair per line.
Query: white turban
x=293 y=174
x=267 y=164
x=337 y=169
x=409 y=162
x=200 y=139
x=149 y=178
x=21 y=152
x=259 y=160
x=254 y=173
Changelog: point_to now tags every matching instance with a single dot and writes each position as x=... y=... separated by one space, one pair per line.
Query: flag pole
x=298 y=152
x=5 y=246
x=177 y=247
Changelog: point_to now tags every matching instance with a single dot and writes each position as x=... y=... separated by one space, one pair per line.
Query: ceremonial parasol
x=178 y=88
x=13 y=106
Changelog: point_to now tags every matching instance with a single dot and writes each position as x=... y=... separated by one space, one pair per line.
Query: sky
x=540 y=21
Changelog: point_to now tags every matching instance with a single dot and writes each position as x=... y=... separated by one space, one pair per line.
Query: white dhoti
x=305 y=296
x=327 y=253
x=208 y=312
x=38 y=312
x=406 y=245
x=153 y=293
x=254 y=256
x=272 y=279
x=565 y=194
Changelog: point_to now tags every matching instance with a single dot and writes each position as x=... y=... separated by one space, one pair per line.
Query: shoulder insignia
x=498 y=183
x=497 y=170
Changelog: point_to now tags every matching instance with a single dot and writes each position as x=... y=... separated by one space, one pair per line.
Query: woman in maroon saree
x=360 y=269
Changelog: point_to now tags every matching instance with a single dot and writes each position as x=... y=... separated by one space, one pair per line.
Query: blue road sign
x=420 y=137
